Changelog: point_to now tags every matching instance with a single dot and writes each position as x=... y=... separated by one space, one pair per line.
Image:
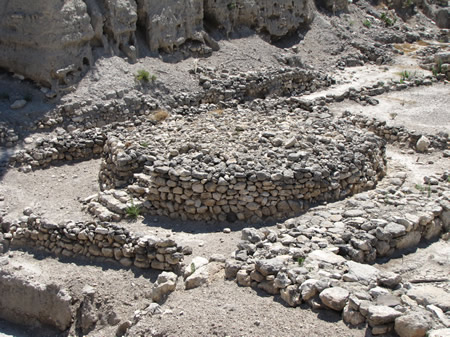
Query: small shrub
x=300 y=261
x=437 y=69
x=367 y=23
x=393 y=115
x=419 y=187
x=406 y=75
x=133 y=211
x=143 y=75
x=4 y=95
x=153 y=78
x=144 y=144
x=388 y=21
x=192 y=268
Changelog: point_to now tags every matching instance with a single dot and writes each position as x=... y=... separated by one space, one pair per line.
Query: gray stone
x=231 y=268
x=19 y=104
x=334 y=298
x=352 y=317
x=411 y=325
x=389 y=279
x=282 y=280
x=395 y=229
x=269 y=266
x=326 y=257
x=291 y=295
x=423 y=144
x=252 y=235
x=360 y=273
x=429 y=294
x=198 y=278
x=164 y=285
x=381 y=314
x=243 y=278
x=411 y=239
x=308 y=289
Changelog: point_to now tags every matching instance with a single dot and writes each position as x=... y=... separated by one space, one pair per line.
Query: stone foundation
x=94 y=240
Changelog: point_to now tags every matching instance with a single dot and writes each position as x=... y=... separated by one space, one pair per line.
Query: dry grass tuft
x=216 y=112
x=159 y=115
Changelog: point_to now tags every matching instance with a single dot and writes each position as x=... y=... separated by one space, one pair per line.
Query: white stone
x=412 y=325
x=439 y=333
x=334 y=298
x=423 y=144
x=361 y=272
x=164 y=285
x=428 y=294
x=381 y=314
x=326 y=256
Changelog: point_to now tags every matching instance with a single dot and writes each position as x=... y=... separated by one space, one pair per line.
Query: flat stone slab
x=358 y=272
x=428 y=294
x=326 y=256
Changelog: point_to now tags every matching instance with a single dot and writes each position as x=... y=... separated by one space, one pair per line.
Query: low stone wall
x=96 y=240
x=62 y=146
x=397 y=134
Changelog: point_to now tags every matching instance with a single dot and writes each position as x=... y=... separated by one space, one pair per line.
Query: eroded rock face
x=169 y=24
x=53 y=43
x=38 y=302
x=45 y=40
x=277 y=18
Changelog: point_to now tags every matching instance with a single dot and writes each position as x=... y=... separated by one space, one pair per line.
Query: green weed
x=419 y=187
x=133 y=211
x=367 y=23
x=405 y=75
x=143 y=75
x=388 y=21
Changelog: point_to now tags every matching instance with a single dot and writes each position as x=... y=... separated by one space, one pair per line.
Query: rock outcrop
x=277 y=18
x=55 y=43
x=47 y=41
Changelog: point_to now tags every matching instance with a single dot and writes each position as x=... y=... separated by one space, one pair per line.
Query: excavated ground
x=221 y=308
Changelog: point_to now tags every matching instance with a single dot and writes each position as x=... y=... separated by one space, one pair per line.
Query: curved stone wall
x=242 y=165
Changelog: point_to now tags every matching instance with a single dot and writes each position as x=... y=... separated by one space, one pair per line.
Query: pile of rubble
x=318 y=258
